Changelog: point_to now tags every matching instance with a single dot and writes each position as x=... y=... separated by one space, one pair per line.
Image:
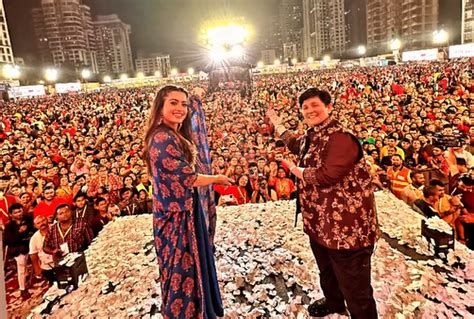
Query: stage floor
x=266 y=269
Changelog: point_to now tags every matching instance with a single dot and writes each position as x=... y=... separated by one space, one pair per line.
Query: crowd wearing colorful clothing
x=84 y=152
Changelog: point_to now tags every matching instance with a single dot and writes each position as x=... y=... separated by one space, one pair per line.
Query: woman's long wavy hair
x=155 y=119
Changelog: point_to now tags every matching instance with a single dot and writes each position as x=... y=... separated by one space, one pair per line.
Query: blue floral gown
x=187 y=270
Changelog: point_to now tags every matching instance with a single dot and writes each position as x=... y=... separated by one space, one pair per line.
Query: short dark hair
x=397 y=155
x=78 y=177
x=415 y=172
x=279 y=143
x=15 y=206
x=252 y=164
x=61 y=206
x=99 y=200
x=79 y=195
x=48 y=188
x=429 y=190
x=437 y=182
x=324 y=96
x=124 y=190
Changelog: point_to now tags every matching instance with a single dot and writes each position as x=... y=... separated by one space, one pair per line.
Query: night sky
x=161 y=26
x=172 y=26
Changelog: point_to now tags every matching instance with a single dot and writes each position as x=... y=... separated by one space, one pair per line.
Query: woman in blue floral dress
x=187 y=269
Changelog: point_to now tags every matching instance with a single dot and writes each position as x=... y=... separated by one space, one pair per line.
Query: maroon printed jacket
x=336 y=193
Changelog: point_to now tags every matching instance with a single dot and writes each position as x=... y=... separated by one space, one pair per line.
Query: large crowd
x=71 y=164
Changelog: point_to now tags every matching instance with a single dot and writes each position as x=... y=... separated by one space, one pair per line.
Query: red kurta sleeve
x=343 y=151
x=292 y=142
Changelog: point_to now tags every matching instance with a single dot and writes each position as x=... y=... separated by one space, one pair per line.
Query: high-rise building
x=6 y=52
x=291 y=25
x=268 y=57
x=65 y=33
x=412 y=21
x=419 y=20
x=152 y=63
x=356 y=24
x=383 y=24
x=114 y=54
x=468 y=21
x=324 y=28
x=272 y=37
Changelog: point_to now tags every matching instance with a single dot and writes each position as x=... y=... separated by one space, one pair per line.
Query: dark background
x=172 y=26
x=158 y=26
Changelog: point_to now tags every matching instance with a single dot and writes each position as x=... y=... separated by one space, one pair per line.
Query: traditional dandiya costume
x=188 y=274
x=203 y=165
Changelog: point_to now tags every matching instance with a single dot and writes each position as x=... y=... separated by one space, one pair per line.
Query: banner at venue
x=63 y=88
x=461 y=51
x=420 y=55
x=26 y=91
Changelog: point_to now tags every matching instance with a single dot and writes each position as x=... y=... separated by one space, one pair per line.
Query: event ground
x=266 y=269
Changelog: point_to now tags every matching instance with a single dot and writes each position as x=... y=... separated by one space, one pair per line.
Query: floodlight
x=440 y=36
x=217 y=53
x=11 y=71
x=237 y=51
x=51 y=75
x=395 y=44
x=86 y=74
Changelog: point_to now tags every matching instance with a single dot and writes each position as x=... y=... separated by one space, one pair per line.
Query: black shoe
x=320 y=309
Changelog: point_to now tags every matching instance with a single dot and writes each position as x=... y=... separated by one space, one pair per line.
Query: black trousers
x=345 y=276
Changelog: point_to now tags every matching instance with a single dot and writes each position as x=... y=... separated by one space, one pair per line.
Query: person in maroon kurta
x=338 y=206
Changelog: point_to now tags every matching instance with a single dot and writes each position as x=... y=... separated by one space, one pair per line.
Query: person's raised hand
x=273 y=116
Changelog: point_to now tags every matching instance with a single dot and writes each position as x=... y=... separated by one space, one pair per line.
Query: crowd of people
x=71 y=164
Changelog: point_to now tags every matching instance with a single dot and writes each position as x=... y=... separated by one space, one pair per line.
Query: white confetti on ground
x=266 y=269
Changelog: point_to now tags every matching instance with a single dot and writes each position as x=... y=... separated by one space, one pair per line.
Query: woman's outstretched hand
x=223 y=180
